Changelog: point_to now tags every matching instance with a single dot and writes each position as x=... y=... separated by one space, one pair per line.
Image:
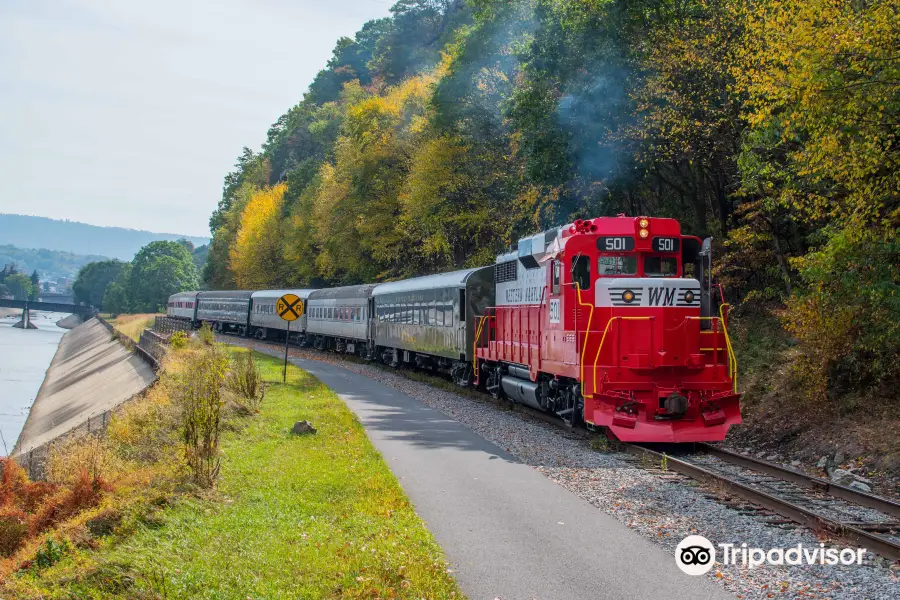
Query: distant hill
x=80 y=238
x=50 y=264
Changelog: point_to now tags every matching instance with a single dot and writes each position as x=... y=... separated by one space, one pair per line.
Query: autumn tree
x=256 y=259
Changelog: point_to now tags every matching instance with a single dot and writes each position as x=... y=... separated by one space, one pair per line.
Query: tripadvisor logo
x=695 y=555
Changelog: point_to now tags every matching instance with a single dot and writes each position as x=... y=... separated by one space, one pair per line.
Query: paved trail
x=508 y=531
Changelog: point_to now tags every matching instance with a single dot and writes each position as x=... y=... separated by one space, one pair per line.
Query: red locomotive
x=612 y=322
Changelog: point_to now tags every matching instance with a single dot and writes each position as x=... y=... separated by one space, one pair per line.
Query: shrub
x=16 y=491
x=178 y=340
x=83 y=493
x=197 y=390
x=50 y=553
x=846 y=317
x=245 y=380
x=13 y=530
x=206 y=335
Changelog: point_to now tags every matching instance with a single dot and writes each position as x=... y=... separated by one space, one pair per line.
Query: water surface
x=24 y=358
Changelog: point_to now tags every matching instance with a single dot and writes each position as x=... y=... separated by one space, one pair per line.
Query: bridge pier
x=25 y=323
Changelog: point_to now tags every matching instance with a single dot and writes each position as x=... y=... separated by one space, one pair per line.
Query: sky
x=126 y=113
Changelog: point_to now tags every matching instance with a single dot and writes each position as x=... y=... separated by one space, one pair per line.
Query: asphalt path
x=508 y=531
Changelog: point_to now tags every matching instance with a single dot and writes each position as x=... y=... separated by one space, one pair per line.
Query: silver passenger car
x=183 y=305
x=429 y=320
x=226 y=311
x=265 y=322
x=340 y=319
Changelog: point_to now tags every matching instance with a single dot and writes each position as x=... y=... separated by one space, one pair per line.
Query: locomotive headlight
x=628 y=296
x=689 y=297
x=644 y=233
x=644 y=223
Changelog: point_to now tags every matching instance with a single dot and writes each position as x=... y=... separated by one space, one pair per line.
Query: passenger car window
x=617 y=265
x=660 y=266
x=581 y=272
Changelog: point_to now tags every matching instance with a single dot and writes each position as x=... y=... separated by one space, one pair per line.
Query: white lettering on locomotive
x=529 y=295
x=615 y=243
x=554 y=310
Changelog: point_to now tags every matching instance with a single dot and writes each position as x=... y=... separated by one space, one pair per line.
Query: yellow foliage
x=823 y=75
x=256 y=253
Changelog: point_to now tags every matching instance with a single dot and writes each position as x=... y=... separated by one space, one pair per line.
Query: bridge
x=78 y=309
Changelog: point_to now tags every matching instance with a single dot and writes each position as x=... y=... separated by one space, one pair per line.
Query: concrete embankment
x=91 y=374
x=70 y=322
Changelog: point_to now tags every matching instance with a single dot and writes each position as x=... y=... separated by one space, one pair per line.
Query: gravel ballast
x=662 y=507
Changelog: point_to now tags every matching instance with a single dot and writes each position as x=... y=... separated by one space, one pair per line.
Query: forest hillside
x=435 y=137
x=26 y=231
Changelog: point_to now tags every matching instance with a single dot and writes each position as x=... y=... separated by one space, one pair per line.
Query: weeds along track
x=781 y=496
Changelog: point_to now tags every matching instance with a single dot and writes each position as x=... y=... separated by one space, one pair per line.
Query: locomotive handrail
x=481 y=321
x=732 y=360
x=587 y=331
x=603 y=340
x=731 y=355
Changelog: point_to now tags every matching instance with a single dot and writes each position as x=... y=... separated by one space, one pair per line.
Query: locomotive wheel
x=493 y=382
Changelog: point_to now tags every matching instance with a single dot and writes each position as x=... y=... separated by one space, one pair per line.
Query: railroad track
x=860 y=518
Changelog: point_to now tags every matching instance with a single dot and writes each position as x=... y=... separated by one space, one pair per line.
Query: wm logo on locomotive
x=662 y=296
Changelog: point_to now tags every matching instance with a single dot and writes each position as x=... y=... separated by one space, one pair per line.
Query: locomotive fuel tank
x=522 y=391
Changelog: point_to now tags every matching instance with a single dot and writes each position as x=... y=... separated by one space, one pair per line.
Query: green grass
x=317 y=516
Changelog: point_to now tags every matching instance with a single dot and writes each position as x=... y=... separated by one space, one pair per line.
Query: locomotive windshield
x=617 y=265
x=660 y=266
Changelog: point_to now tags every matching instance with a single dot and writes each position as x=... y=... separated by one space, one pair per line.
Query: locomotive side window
x=581 y=272
x=557 y=270
x=658 y=266
x=617 y=265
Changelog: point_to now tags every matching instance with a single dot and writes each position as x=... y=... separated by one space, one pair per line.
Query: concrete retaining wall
x=90 y=376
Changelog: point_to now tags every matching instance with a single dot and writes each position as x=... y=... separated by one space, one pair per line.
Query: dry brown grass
x=125 y=472
x=133 y=325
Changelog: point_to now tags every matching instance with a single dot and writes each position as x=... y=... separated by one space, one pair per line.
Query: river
x=24 y=358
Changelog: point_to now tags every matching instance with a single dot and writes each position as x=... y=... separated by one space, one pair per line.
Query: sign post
x=290 y=308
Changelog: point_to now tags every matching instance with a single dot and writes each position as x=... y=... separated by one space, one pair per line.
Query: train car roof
x=239 y=294
x=454 y=279
x=188 y=294
x=348 y=291
x=302 y=293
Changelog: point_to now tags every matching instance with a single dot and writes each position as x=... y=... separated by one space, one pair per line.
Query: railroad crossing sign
x=289 y=307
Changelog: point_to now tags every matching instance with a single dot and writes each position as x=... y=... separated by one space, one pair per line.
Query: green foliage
x=19 y=285
x=847 y=315
x=92 y=281
x=50 y=553
x=159 y=270
x=115 y=299
x=35 y=285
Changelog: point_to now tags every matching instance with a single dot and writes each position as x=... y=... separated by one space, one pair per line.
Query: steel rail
x=822 y=485
x=794 y=512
